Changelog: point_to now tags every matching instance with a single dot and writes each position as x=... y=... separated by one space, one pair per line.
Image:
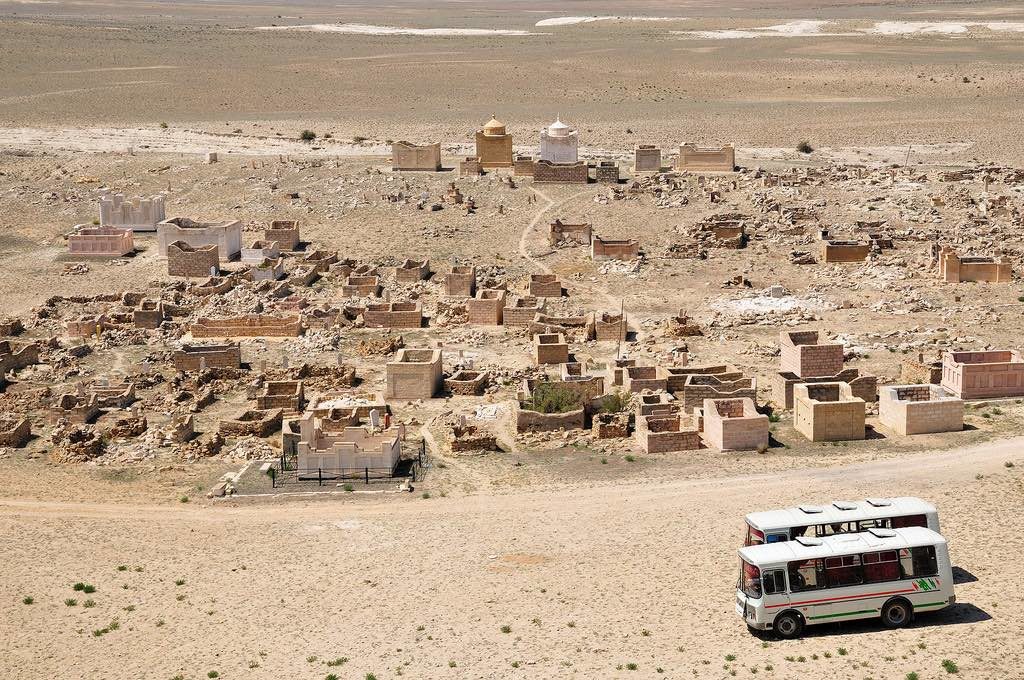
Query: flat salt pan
x=941 y=27
x=572 y=21
x=369 y=29
x=791 y=29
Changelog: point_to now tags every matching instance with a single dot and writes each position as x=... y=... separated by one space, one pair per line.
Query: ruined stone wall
x=186 y=261
x=460 y=282
x=614 y=250
x=250 y=325
x=14 y=432
x=190 y=357
x=567 y=173
x=532 y=421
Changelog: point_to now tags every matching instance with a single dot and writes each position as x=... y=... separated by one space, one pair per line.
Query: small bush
x=89 y=604
x=842 y=651
x=330 y=676
x=88 y=588
x=1008 y=464
x=179 y=582
x=71 y=602
x=452 y=664
x=370 y=676
x=213 y=674
x=307 y=136
x=349 y=488
x=730 y=657
x=616 y=402
x=28 y=599
x=78 y=587
x=950 y=667
x=912 y=676
x=183 y=499
x=631 y=666
x=426 y=494
x=551 y=397
x=506 y=629
x=122 y=567
x=804 y=147
x=358 y=139
x=630 y=459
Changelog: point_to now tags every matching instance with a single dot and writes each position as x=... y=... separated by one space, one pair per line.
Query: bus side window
x=776 y=538
x=881 y=566
x=774 y=582
x=805 y=575
x=925 y=563
x=910 y=521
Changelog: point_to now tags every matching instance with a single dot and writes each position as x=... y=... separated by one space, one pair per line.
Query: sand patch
x=573 y=21
x=791 y=29
x=369 y=29
x=941 y=27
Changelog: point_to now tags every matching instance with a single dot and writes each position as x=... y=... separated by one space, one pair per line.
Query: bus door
x=776 y=595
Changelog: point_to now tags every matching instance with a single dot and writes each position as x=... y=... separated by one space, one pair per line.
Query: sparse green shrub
x=71 y=602
x=617 y=402
x=163 y=126
x=28 y=599
x=213 y=674
x=89 y=604
x=307 y=135
x=842 y=651
x=506 y=629
x=179 y=582
x=340 y=661
x=804 y=147
x=349 y=488
x=631 y=666
x=912 y=676
x=549 y=397
x=950 y=667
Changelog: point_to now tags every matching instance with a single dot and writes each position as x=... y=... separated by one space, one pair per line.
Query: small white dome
x=558 y=128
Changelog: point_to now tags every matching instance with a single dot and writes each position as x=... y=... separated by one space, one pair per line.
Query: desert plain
x=558 y=554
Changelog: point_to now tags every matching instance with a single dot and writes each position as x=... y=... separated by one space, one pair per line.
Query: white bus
x=839 y=517
x=887 y=573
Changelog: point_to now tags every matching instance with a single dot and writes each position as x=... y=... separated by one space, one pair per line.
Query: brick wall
x=569 y=173
x=407 y=156
x=414 y=374
x=532 y=421
x=189 y=357
x=251 y=325
x=285 y=232
x=844 y=251
x=393 y=315
x=550 y=348
x=486 y=309
x=614 y=250
x=521 y=313
x=460 y=282
x=545 y=285
x=184 y=260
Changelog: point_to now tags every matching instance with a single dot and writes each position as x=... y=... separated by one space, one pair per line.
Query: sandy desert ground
x=554 y=559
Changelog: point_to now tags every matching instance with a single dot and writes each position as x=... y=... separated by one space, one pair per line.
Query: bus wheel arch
x=897 y=612
x=789 y=624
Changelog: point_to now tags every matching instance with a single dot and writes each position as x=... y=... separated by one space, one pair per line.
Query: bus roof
x=840 y=544
x=838 y=511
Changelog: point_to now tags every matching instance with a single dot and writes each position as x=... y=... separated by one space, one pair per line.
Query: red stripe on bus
x=840 y=599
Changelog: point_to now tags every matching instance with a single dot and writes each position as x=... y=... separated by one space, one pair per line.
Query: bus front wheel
x=789 y=625
x=896 y=613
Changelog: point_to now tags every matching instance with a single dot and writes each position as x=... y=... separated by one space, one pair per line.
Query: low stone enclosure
x=574 y=328
x=550 y=348
x=697 y=159
x=393 y=315
x=287 y=395
x=261 y=250
x=466 y=382
x=14 y=358
x=487 y=308
x=545 y=285
x=667 y=432
x=608 y=249
x=137 y=214
x=149 y=314
x=551 y=405
x=470 y=166
x=252 y=423
x=610 y=327
x=89 y=241
x=361 y=286
x=199 y=357
x=579 y=234
x=268 y=270
x=248 y=326
x=75 y=408
x=700 y=387
x=460 y=282
x=844 y=251
x=185 y=261
x=637 y=379
x=734 y=425
x=119 y=394
x=412 y=271
x=862 y=386
x=828 y=412
x=471 y=438
x=321 y=260
x=802 y=355
x=414 y=374
x=14 y=432
x=409 y=156
x=956 y=269
x=227 y=236
x=919 y=370
x=284 y=232
x=983 y=375
x=567 y=173
x=919 y=409
x=606 y=172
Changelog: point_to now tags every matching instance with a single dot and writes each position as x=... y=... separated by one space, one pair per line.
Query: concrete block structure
x=559 y=233
x=248 y=326
x=261 y=250
x=667 y=432
x=919 y=370
x=610 y=327
x=284 y=232
x=464 y=382
x=825 y=412
x=550 y=348
x=414 y=374
x=197 y=357
x=522 y=166
x=636 y=379
x=227 y=236
x=527 y=420
x=545 y=285
x=394 y=315
x=699 y=159
x=252 y=423
x=268 y=270
x=75 y=408
x=149 y=314
x=486 y=309
x=199 y=262
x=559 y=143
x=563 y=173
x=409 y=156
x=460 y=282
x=470 y=167
x=324 y=451
x=606 y=172
x=494 y=145
x=863 y=386
x=119 y=394
x=698 y=388
x=646 y=158
x=919 y=409
x=412 y=271
x=288 y=395
x=844 y=251
x=321 y=260
x=14 y=432
x=361 y=286
x=983 y=375
x=956 y=269
x=522 y=311
x=100 y=241
x=138 y=214
x=610 y=249
x=802 y=355
x=734 y=425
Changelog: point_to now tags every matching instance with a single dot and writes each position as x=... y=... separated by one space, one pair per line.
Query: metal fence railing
x=410 y=466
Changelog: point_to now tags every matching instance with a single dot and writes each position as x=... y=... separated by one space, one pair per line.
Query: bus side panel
x=933 y=593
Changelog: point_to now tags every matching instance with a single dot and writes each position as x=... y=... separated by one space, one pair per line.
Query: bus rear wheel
x=896 y=613
x=789 y=625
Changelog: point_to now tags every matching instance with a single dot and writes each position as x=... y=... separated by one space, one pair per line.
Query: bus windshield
x=750 y=580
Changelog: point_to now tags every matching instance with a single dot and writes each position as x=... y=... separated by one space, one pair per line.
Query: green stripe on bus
x=830 y=616
x=930 y=604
